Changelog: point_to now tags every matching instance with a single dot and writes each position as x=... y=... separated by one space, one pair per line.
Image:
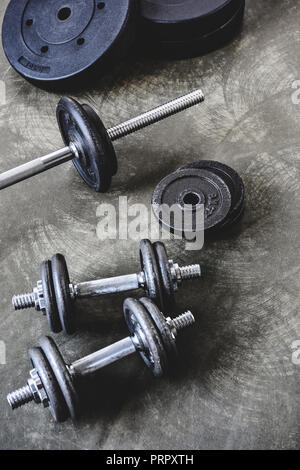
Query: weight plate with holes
x=189 y=27
x=49 y=297
x=141 y=325
x=186 y=192
x=57 y=403
x=55 y=43
x=96 y=161
x=61 y=282
x=62 y=375
x=233 y=181
x=149 y=266
x=166 y=276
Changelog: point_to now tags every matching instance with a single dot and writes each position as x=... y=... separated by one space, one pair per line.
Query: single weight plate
x=51 y=42
x=198 y=45
x=141 y=325
x=166 y=276
x=61 y=282
x=231 y=178
x=49 y=297
x=62 y=375
x=177 y=198
x=96 y=161
x=159 y=320
x=57 y=403
x=150 y=268
x=99 y=127
x=184 y=20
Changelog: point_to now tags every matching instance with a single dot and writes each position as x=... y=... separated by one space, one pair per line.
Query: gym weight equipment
x=89 y=143
x=53 y=383
x=54 y=294
x=213 y=184
x=186 y=28
x=55 y=43
x=232 y=180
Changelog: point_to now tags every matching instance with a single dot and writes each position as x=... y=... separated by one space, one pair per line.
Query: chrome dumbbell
x=53 y=383
x=54 y=294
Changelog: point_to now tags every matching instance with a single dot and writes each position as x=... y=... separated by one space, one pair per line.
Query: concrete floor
x=239 y=388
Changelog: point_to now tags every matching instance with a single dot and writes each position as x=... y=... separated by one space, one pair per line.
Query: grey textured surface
x=239 y=388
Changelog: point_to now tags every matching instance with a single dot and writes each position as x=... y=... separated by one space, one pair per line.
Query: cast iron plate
x=187 y=190
x=140 y=324
x=80 y=125
x=57 y=403
x=233 y=181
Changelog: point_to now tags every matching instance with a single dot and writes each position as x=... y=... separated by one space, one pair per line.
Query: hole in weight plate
x=44 y=49
x=64 y=13
x=80 y=41
x=192 y=199
x=100 y=5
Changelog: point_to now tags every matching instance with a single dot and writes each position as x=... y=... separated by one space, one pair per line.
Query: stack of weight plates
x=213 y=185
x=185 y=28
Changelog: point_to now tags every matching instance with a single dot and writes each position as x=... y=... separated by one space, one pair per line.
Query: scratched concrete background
x=238 y=387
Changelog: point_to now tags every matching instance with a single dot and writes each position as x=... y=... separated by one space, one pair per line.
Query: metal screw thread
x=156 y=114
x=20 y=397
x=192 y=271
x=183 y=321
x=20 y=302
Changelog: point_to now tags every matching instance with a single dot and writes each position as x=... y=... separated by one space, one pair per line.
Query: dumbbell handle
x=102 y=358
x=108 y=286
x=53 y=159
x=104 y=286
x=125 y=347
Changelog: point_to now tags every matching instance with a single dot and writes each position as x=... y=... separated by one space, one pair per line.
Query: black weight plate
x=198 y=45
x=61 y=282
x=57 y=403
x=149 y=266
x=54 y=42
x=235 y=218
x=180 y=20
x=231 y=178
x=97 y=161
x=62 y=374
x=49 y=297
x=166 y=276
x=186 y=190
x=159 y=320
x=141 y=325
x=107 y=143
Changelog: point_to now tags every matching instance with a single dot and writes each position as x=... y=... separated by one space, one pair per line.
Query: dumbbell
x=54 y=383
x=89 y=144
x=54 y=294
